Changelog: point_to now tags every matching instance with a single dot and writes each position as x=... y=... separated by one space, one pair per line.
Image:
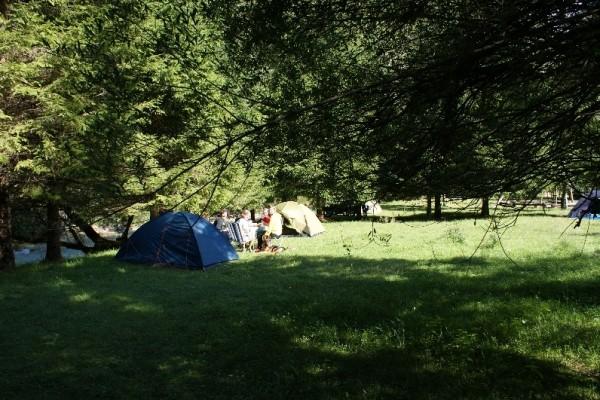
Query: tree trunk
x=428 y=211
x=4 y=8
x=100 y=243
x=7 y=257
x=54 y=230
x=80 y=245
x=319 y=205
x=154 y=212
x=563 y=198
x=125 y=234
x=485 y=207
x=83 y=225
x=358 y=212
x=437 y=214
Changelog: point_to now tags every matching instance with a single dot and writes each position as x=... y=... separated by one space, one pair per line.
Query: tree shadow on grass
x=296 y=327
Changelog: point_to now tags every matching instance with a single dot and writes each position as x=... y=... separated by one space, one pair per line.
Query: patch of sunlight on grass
x=283 y=261
x=395 y=278
x=130 y=304
x=60 y=283
x=317 y=369
x=142 y=307
x=121 y=299
x=282 y=321
x=80 y=298
x=73 y=263
x=303 y=340
x=476 y=306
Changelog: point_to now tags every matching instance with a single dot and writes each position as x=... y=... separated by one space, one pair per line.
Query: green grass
x=332 y=317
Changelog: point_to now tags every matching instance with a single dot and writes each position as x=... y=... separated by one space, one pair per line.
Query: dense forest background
x=110 y=109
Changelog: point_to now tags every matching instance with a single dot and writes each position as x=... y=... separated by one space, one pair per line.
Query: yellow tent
x=300 y=218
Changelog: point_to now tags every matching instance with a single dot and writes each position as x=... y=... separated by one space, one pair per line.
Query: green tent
x=300 y=218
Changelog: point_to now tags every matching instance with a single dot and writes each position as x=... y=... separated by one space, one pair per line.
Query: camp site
x=356 y=199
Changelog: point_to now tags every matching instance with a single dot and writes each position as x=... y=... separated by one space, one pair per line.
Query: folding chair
x=236 y=233
x=231 y=233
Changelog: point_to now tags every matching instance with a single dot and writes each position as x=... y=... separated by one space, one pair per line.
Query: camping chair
x=236 y=234
x=230 y=233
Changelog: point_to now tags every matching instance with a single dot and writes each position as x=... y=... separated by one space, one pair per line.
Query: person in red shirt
x=264 y=219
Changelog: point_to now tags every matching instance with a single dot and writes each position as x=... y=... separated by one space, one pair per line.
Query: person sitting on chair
x=222 y=222
x=263 y=223
x=265 y=218
x=247 y=227
x=275 y=227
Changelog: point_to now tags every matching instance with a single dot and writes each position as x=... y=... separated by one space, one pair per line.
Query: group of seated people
x=268 y=225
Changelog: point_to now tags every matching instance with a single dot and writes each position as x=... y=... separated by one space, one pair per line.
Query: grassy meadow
x=409 y=315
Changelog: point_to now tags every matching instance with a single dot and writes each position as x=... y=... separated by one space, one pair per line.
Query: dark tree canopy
x=458 y=97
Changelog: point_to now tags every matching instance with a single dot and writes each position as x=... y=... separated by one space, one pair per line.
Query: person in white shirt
x=247 y=227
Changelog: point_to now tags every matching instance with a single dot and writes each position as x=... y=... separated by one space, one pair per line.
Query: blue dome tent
x=588 y=206
x=180 y=239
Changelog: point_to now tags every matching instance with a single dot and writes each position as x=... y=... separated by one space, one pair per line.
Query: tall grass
x=336 y=316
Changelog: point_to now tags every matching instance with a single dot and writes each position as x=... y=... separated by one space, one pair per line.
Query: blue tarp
x=180 y=239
